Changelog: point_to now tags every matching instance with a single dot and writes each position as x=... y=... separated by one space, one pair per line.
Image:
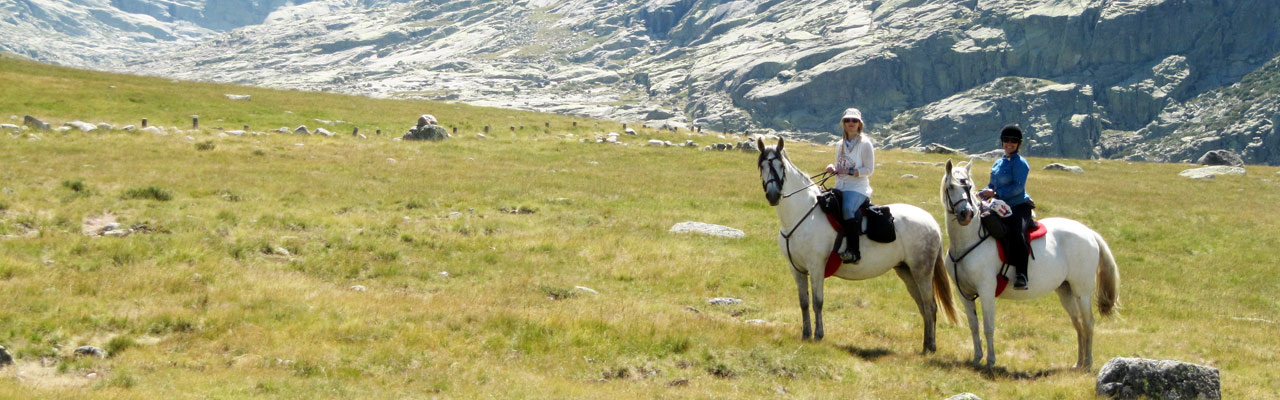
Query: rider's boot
x=1020 y=282
x=852 y=229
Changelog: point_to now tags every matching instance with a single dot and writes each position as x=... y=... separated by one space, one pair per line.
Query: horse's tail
x=942 y=288
x=1108 y=278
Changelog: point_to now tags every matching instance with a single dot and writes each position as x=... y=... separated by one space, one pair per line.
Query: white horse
x=806 y=240
x=1070 y=259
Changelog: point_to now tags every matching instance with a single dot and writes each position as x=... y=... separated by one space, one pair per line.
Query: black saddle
x=879 y=222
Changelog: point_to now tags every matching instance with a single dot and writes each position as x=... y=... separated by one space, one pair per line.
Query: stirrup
x=850 y=258
x=1020 y=282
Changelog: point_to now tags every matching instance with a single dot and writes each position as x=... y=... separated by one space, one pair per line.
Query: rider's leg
x=851 y=224
x=1015 y=248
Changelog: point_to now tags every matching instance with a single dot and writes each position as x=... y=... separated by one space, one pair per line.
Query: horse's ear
x=780 y=145
x=948 y=166
x=759 y=144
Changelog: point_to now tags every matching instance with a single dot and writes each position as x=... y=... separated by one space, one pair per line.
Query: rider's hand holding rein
x=987 y=194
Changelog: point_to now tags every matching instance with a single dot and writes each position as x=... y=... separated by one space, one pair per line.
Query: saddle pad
x=1037 y=233
x=1001 y=281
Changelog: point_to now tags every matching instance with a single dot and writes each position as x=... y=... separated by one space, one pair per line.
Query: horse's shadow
x=996 y=372
x=870 y=354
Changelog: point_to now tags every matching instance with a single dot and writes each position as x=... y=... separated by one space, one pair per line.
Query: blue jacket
x=1009 y=179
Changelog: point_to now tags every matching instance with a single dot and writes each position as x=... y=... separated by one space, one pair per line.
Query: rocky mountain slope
x=1140 y=79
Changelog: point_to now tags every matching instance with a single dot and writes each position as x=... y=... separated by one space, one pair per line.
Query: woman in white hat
x=855 y=162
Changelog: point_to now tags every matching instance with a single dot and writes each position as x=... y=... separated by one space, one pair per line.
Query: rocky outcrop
x=1058 y=120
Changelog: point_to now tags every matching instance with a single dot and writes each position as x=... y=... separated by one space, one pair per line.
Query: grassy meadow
x=288 y=266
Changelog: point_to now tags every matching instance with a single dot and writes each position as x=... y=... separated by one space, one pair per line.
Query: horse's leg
x=815 y=280
x=989 y=325
x=1086 y=323
x=971 y=310
x=1068 y=299
x=927 y=311
x=802 y=286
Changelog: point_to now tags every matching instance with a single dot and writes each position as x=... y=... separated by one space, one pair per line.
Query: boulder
x=1062 y=167
x=707 y=229
x=934 y=148
x=1220 y=157
x=237 y=96
x=302 y=129
x=427 y=119
x=324 y=132
x=430 y=132
x=1211 y=172
x=35 y=123
x=5 y=358
x=81 y=125
x=1132 y=378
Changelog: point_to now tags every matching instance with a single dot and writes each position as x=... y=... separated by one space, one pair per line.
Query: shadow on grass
x=996 y=372
x=867 y=354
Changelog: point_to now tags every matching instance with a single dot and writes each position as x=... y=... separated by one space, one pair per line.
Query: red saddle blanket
x=833 y=260
x=1001 y=281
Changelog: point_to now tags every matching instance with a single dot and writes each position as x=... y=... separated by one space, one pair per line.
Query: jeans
x=852 y=204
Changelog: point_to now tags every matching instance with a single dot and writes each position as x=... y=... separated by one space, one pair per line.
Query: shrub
x=205 y=145
x=149 y=192
x=75 y=186
x=119 y=344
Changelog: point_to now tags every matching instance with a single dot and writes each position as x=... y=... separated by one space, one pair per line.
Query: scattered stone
x=909 y=176
x=98 y=225
x=302 y=129
x=237 y=96
x=155 y=129
x=358 y=288
x=629 y=131
x=756 y=322
x=1221 y=157
x=105 y=126
x=724 y=301
x=10 y=127
x=325 y=132
x=455 y=214
x=391 y=160
x=1132 y=378
x=678 y=383
x=1062 y=167
x=1211 y=172
x=707 y=229
x=281 y=251
x=965 y=396
x=444 y=274
x=235 y=133
x=129 y=128
x=586 y=289
x=90 y=351
x=656 y=143
x=81 y=125
x=5 y=358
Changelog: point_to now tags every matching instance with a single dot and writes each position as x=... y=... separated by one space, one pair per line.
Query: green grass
x=241 y=284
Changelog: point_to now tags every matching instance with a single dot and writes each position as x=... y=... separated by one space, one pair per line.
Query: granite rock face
x=1146 y=80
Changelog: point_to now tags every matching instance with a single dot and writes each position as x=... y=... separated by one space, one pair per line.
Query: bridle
x=982 y=231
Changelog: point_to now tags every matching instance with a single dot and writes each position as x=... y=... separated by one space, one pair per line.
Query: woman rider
x=855 y=162
x=1009 y=183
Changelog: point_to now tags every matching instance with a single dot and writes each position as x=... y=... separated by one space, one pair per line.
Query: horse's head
x=957 y=193
x=773 y=167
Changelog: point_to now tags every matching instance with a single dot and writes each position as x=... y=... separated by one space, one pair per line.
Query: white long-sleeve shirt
x=861 y=157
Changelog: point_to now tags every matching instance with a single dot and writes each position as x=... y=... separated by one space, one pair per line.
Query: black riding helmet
x=1011 y=131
